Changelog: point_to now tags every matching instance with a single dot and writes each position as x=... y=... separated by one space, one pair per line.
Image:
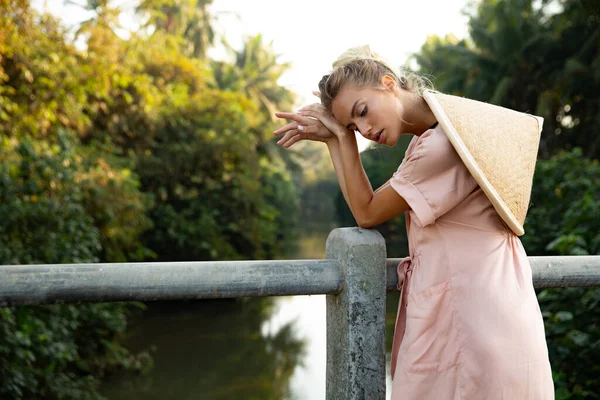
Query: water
x=269 y=348
x=308 y=315
x=308 y=312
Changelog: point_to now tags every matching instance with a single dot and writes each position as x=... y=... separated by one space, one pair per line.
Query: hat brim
x=454 y=137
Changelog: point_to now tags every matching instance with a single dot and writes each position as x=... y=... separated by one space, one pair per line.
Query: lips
x=379 y=137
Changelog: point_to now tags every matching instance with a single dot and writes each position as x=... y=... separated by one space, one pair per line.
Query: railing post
x=356 y=317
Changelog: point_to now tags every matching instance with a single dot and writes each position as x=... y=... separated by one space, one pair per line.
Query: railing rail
x=548 y=271
x=66 y=283
x=355 y=277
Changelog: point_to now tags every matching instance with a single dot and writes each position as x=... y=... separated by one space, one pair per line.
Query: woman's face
x=375 y=112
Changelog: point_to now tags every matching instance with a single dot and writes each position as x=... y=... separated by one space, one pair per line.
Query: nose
x=364 y=129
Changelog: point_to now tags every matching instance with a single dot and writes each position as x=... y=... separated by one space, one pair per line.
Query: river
x=262 y=349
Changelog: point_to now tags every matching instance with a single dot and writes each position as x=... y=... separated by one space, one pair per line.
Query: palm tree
x=255 y=72
x=100 y=27
x=508 y=44
x=169 y=16
x=190 y=20
x=199 y=31
x=528 y=59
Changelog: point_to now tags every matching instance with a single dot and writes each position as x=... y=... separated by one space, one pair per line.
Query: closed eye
x=364 y=111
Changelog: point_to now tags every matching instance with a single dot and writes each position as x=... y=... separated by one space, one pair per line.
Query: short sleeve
x=432 y=178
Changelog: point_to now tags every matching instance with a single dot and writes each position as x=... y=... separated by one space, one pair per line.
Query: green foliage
x=39 y=83
x=59 y=352
x=210 y=202
x=282 y=203
x=53 y=352
x=136 y=113
x=188 y=20
x=315 y=176
x=100 y=28
x=564 y=219
x=528 y=57
x=41 y=205
x=255 y=72
x=126 y=151
x=112 y=197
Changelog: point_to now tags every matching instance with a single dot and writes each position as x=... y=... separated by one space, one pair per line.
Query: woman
x=469 y=325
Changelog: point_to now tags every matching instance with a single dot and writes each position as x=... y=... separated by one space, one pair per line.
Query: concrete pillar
x=356 y=317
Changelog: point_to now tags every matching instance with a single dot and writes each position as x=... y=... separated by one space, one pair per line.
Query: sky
x=312 y=33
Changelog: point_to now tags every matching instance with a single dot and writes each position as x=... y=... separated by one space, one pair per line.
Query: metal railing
x=355 y=277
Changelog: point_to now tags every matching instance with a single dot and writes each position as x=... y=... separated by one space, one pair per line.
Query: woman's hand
x=301 y=128
x=319 y=112
x=312 y=122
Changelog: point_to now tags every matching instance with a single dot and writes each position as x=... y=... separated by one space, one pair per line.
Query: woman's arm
x=315 y=123
x=334 y=153
x=386 y=184
x=368 y=208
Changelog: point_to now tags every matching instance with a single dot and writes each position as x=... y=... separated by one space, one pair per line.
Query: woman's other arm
x=368 y=208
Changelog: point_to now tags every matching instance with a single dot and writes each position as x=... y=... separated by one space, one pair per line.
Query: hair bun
x=361 y=53
x=353 y=54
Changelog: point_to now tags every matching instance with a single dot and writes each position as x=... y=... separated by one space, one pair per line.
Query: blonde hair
x=364 y=68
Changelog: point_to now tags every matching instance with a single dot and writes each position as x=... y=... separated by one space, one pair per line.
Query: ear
x=389 y=83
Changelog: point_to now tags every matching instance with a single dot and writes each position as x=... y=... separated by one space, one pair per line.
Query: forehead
x=343 y=102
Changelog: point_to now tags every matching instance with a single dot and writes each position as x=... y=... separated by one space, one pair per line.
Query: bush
x=564 y=219
x=59 y=351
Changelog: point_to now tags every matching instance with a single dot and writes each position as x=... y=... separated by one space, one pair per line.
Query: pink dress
x=469 y=325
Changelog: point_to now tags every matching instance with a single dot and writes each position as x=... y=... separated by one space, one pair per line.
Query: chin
x=393 y=140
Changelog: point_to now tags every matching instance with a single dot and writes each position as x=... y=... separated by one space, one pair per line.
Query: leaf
x=563 y=316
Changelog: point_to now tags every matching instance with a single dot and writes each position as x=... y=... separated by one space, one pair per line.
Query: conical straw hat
x=499 y=147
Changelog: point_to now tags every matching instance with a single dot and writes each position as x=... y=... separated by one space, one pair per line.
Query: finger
x=285 y=128
x=303 y=120
x=293 y=140
x=325 y=118
x=316 y=93
x=312 y=114
x=287 y=115
x=287 y=137
x=311 y=128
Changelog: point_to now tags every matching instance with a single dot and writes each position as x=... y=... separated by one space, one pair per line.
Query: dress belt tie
x=404 y=269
